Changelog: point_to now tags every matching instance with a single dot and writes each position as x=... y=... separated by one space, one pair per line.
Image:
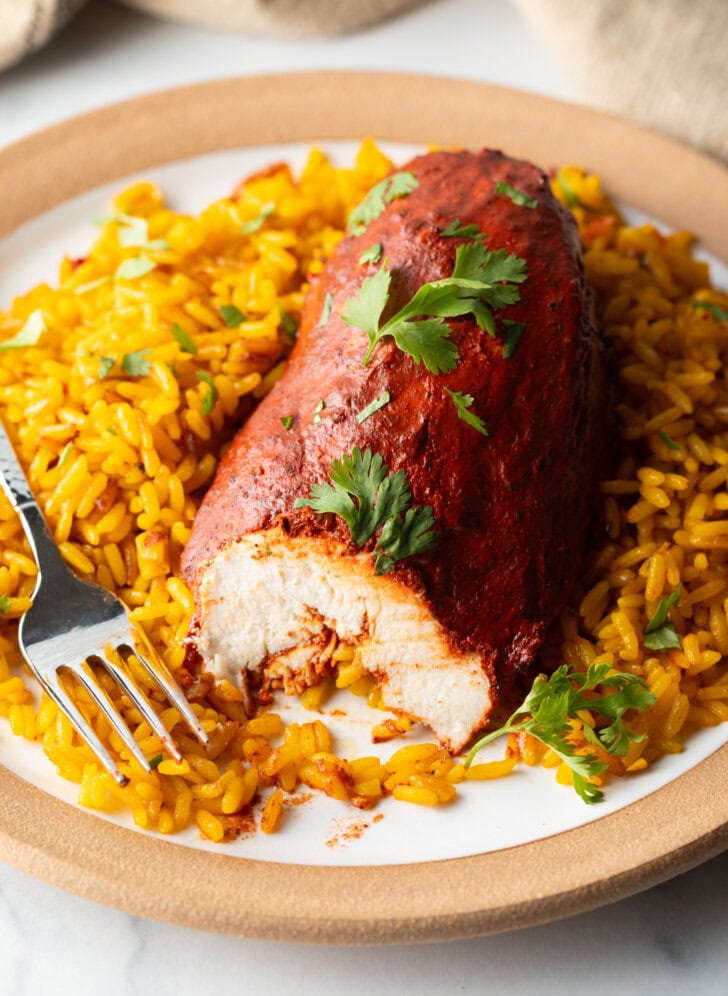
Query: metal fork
x=72 y=624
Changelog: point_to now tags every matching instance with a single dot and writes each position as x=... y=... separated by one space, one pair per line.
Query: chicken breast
x=278 y=585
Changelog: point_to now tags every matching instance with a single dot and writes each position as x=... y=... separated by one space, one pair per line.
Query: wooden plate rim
x=666 y=833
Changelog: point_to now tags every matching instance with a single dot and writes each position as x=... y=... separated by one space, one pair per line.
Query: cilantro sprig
x=519 y=197
x=569 y=194
x=669 y=441
x=135 y=364
x=106 y=365
x=326 y=310
x=254 y=225
x=481 y=280
x=457 y=231
x=186 y=342
x=65 y=454
x=512 y=332
x=134 y=267
x=374 y=406
x=375 y=203
x=232 y=316
x=553 y=705
x=133 y=231
x=209 y=398
x=715 y=310
x=33 y=328
x=367 y=497
x=660 y=633
x=371 y=255
x=287 y=323
x=317 y=412
x=463 y=403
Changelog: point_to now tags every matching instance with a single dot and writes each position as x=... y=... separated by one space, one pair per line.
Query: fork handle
x=15 y=485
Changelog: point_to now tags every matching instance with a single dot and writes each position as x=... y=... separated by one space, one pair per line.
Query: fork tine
x=140 y=700
x=160 y=673
x=53 y=687
x=87 y=678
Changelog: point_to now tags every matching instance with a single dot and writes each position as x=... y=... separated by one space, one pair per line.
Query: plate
x=566 y=871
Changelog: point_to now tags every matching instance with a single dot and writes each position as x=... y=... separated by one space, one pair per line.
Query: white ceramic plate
x=506 y=852
x=528 y=805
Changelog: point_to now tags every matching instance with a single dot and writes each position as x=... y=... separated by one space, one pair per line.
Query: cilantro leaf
x=232 y=316
x=287 y=422
x=626 y=693
x=405 y=536
x=317 y=412
x=131 y=230
x=367 y=497
x=255 y=224
x=120 y=219
x=136 y=266
x=661 y=613
x=720 y=314
x=106 y=364
x=365 y=311
x=134 y=232
x=427 y=341
x=33 y=328
x=456 y=230
x=155 y=761
x=287 y=322
x=371 y=255
x=481 y=279
x=211 y=395
x=513 y=333
x=326 y=310
x=553 y=705
x=660 y=634
x=519 y=197
x=475 y=261
x=91 y=285
x=569 y=194
x=401 y=184
x=65 y=453
x=669 y=441
x=462 y=403
x=358 y=494
x=382 y=193
x=373 y=407
x=502 y=295
x=4 y=603
x=136 y=364
x=187 y=343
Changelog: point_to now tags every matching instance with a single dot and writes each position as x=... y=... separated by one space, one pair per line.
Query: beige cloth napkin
x=26 y=25
x=663 y=63
x=286 y=17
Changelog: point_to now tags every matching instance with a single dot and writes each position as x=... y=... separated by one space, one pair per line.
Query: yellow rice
x=119 y=464
x=663 y=514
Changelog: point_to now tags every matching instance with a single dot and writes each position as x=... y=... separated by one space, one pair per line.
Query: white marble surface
x=668 y=940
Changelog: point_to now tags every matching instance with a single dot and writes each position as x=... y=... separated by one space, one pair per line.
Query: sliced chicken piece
x=299 y=591
x=446 y=631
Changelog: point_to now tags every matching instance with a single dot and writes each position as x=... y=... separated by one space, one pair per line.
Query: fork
x=73 y=624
